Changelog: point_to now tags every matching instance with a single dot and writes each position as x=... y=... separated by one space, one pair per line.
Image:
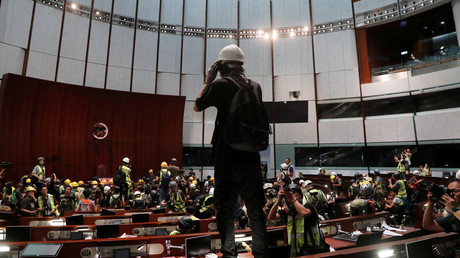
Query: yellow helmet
x=141 y=181
x=80 y=183
x=111 y=182
x=28 y=181
x=212 y=179
x=74 y=184
x=151 y=171
x=164 y=164
x=190 y=178
x=30 y=188
x=103 y=182
x=94 y=182
x=67 y=182
x=194 y=182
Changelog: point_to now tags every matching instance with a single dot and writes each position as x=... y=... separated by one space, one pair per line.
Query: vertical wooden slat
x=87 y=43
x=27 y=51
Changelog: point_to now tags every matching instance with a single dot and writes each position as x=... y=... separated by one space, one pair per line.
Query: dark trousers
x=163 y=194
x=243 y=178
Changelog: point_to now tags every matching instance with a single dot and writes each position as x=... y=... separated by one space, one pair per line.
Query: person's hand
x=163 y=203
x=212 y=72
x=429 y=195
x=448 y=202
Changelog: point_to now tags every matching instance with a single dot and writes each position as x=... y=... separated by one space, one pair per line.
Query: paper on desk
x=385 y=226
x=391 y=233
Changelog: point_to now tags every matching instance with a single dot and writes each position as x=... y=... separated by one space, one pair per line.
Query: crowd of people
x=170 y=187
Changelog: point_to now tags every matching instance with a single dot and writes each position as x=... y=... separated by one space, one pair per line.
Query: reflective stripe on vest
x=207 y=207
x=40 y=171
x=402 y=189
x=178 y=202
x=401 y=168
x=127 y=171
x=50 y=202
x=299 y=235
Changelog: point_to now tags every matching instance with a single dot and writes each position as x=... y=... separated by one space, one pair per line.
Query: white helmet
x=268 y=185
x=397 y=200
x=319 y=169
x=106 y=189
x=366 y=189
x=301 y=182
x=416 y=173
x=307 y=183
x=126 y=160
x=457 y=175
x=333 y=174
x=192 y=186
x=231 y=53
x=137 y=193
x=284 y=166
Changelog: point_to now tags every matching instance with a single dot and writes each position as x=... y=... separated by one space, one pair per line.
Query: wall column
x=456 y=12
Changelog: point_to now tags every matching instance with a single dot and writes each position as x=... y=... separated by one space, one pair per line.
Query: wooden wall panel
x=55 y=120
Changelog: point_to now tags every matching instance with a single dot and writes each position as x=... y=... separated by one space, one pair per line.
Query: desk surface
x=341 y=244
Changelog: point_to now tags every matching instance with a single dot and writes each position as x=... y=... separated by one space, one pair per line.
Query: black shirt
x=220 y=94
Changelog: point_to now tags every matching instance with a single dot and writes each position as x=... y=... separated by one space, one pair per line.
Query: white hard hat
x=457 y=175
x=416 y=173
x=106 y=189
x=333 y=174
x=301 y=182
x=192 y=186
x=284 y=166
x=365 y=189
x=319 y=169
x=126 y=160
x=231 y=53
x=268 y=185
x=137 y=193
x=397 y=200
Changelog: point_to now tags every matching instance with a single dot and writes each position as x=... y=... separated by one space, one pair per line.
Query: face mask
x=94 y=186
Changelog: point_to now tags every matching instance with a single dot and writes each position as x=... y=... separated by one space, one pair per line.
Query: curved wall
x=314 y=56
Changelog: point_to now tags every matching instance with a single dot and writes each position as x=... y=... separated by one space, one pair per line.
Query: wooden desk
x=341 y=244
x=369 y=250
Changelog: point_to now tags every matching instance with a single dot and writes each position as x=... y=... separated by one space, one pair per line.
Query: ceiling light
x=305 y=28
x=443 y=22
x=292 y=34
x=73 y=6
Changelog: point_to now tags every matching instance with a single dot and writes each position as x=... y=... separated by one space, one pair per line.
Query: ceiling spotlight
x=443 y=22
x=73 y=6
x=292 y=34
x=266 y=36
x=274 y=35
x=98 y=13
x=305 y=28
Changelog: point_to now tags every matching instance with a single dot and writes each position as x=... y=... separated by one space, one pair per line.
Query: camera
x=6 y=164
x=438 y=191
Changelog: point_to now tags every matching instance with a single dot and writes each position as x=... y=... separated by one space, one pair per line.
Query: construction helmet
x=74 y=184
x=190 y=178
x=164 y=164
x=126 y=160
x=150 y=170
x=397 y=200
x=416 y=173
x=40 y=158
x=192 y=186
x=28 y=181
x=365 y=189
x=103 y=182
x=377 y=171
x=295 y=187
x=141 y=181
x=185 y=222
x=31 y=188
x=307 y=183
x=106 y=189
x=194 y=182
x=268 y=185
x=231 y=53
x=334 y=174
x=80 y=183
x=137 y=193
x=174 y=161
x=284 y=166
x=94 y=182
x=111 y=182
x=172 y=184
x=67 y=182
x=211 y=179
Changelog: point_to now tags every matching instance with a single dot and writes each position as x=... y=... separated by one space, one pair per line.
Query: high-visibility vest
x=402 y=189
x=127 y=171
x=425 y=171
x=297 y=235
x=50 y=202
x=401 y=168
x=178 y=201
x=40 y=171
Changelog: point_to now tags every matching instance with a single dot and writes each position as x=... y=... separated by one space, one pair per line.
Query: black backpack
x=120 y=178
x=247 y=127
x=165 y=179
